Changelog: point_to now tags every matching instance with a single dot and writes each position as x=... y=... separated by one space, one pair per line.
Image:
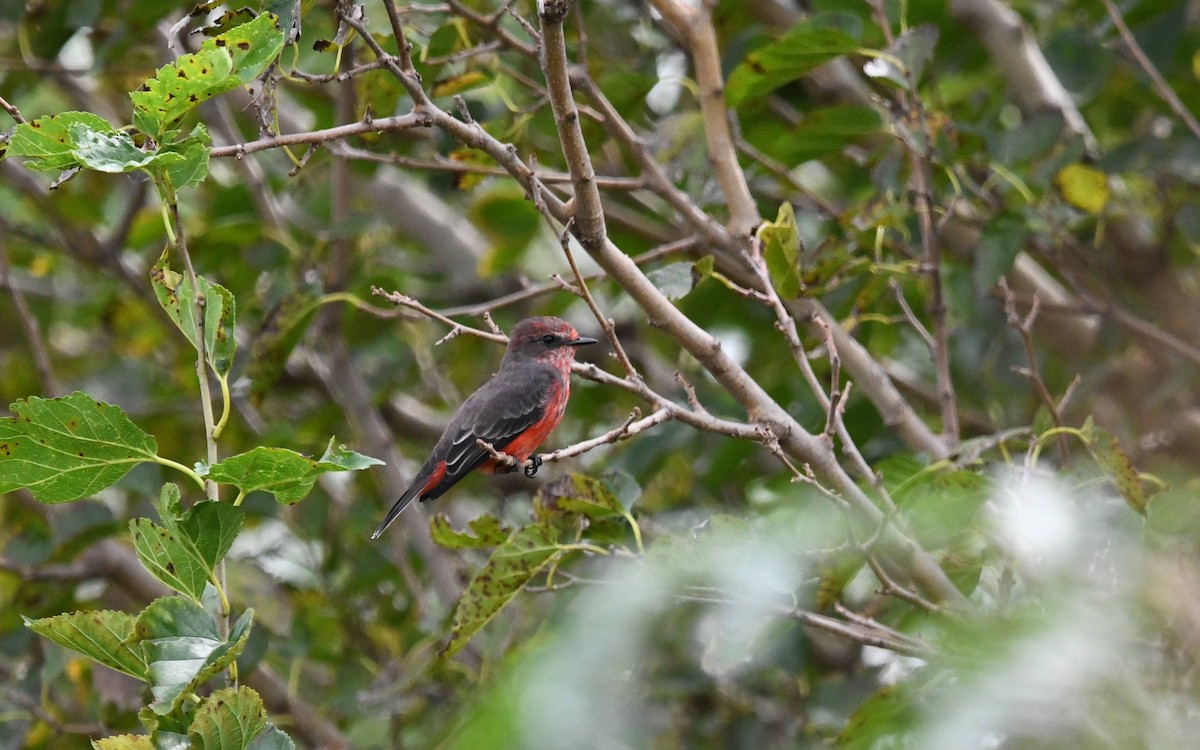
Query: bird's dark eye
x=548 y=339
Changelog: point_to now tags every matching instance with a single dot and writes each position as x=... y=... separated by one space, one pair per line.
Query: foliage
x=190 y=236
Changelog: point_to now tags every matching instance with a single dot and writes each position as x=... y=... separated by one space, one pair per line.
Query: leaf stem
x=637 y=531
x=224 y=381
x=237 y=501
x=176 y=465
x=583 y=547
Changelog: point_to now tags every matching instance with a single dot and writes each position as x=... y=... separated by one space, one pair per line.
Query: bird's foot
x=532 y=465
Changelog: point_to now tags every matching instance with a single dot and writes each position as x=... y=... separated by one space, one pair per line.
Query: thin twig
x=921 y=158
x=607 y=323
x=1024 y=328
x=405 y=301
x=367 y=125
x=632 y=426
x=508 y=461
x=867 y=635
x=1160 y=84
x=29 y=322
x=12 y=111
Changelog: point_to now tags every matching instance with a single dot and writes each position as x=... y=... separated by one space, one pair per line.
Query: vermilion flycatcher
x=514 y=411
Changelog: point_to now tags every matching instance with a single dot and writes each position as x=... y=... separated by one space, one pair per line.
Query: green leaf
x=253 y=46
x=177 y=296
x=1113 y=460
x=941 y=505
x=590 y=497
x=114 y=152
x=781 y=248
x=192 y=166
x=274 y=342
x=99 y=635
x=183 y=649
x=806 y=46
x=509 y=221
x=511 y=566
x=488 y=532
x=674 y=280
x=826 y=131
x=47 y=141
x=1002 y=241
x=285 y=474
x=340 y=458
x=124 y=742
x=179 y=86
x=905 y=59
x=228 y=720
x=173 y=561
x=66 y=448
x=212 y=527
x=209 y=526
x=272 y=738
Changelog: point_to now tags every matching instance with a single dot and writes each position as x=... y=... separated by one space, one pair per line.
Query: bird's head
x=549 y=339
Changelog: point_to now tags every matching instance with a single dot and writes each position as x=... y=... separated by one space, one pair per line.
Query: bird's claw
x=532 y=465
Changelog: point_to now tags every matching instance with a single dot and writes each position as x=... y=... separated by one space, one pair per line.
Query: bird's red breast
x=523 y=445
x=515 y=411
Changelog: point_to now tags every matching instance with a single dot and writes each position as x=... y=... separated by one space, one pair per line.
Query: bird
x=514 y=411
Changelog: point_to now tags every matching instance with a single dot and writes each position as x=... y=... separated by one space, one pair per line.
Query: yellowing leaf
x=458 y=84
x=1084 y=187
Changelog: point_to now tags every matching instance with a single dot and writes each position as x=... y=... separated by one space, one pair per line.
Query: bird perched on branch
x=512 y=413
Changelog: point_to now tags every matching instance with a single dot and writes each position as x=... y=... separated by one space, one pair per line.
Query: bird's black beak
x=582 y=341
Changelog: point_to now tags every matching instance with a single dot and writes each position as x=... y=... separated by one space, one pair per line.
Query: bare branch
x=1160 y=84
x=606 y=323
x=370 y=125
x=693 y=21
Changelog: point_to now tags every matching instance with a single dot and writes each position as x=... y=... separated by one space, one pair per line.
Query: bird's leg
x=532 y=464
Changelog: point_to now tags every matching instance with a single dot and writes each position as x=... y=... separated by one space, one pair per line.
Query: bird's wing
x=497 y=413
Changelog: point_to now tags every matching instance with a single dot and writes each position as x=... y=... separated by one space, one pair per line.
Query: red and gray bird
x=514 y=412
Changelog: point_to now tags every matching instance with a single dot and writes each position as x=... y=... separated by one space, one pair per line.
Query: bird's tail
x=397 y=509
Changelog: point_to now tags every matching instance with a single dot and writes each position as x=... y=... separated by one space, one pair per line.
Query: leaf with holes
x=101 y=635
x=219 y=310
x=229 y=719
x=183 y=649
x=115 y=152
x=179 y=86
x=510 y=568
x=252 y=46
x=485 y=531
x=590 y=497
x=66 y=448
x=48 y=143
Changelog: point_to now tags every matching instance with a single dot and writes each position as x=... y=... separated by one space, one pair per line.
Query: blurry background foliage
x=1076 y=186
